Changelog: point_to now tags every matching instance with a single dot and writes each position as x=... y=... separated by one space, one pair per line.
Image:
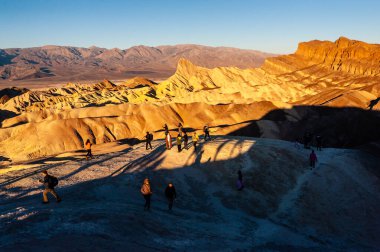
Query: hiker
x=195 y=140
x=180 y=127
x=179 y=142
x=185 y=140
x=49 y=183
x=149 y=138
x=147 y=193
x=206 y=130
x=240 y=184
x=88 y=148
x=168 y=141
x=318 y=139
x=170 y=194
x=166 y=129
x=313 y=159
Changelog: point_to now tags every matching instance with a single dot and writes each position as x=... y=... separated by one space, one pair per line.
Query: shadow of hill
x=339 y=127
x=5 y=114
x=207 y=197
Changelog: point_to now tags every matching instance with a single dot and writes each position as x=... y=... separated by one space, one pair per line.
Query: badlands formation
x=327 y=88
x=321 y=88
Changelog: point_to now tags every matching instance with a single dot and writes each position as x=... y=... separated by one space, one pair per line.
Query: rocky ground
x=285 y=205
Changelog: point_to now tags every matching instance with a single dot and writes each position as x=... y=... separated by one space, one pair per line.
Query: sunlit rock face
x=339 y=74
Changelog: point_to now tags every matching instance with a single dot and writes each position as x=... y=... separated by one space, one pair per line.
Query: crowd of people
x=50 y=182
x=182 y=138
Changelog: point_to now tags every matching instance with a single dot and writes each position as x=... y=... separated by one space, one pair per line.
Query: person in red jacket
x=313 y=159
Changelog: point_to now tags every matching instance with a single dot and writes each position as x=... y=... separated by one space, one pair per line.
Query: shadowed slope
x=284 y=206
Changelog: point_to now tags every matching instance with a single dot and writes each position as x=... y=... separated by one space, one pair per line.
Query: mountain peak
x=343 y=42
x=186 y=67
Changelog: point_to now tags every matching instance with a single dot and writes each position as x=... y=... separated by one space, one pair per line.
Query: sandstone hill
x=316 y=89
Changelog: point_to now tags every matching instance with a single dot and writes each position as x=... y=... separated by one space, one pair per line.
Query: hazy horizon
x=270 y=26
x=110 y=48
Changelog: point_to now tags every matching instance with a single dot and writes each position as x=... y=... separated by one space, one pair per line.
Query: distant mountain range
x=65 y=63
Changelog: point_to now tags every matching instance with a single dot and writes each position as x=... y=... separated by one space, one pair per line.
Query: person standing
x=195 y=140
x=170 y=194
x=166 y=129
x=179 y=142
x=50 y=182
x=180 y=128
x=185 y=140
x=149 y=138
x=313 y=159
x=168 y=141
x=88 y=146
x=207 y=133
x=147 y=193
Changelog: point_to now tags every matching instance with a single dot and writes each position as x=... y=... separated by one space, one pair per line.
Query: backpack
x=151 y=137
x=53 y=181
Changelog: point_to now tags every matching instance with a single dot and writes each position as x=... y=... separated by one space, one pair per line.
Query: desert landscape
x=255 y=116
x=189 y=126
x=322 y=87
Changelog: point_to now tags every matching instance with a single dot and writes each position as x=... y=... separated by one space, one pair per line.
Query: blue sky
x=271 y=26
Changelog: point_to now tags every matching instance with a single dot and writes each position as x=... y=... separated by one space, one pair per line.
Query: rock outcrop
x=351 y=56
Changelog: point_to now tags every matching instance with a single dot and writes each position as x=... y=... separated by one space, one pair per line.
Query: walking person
x=147 y=193
x=313 y=159
x=206 y=131
x=88 y=146
x=170 y=194
x=240 y=184
x=50 y=182
x=149 y=138
x=195 y=139
x=179 y=142
x=185 y=140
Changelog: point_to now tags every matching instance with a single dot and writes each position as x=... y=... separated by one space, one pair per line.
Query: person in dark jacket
x=185 y=140
x=49 y=183
x=149 y=138
x=170 y=194
x=313 y=159
x=166 y=129
x=147 y=193
x=180 y=129
x=206 y=131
